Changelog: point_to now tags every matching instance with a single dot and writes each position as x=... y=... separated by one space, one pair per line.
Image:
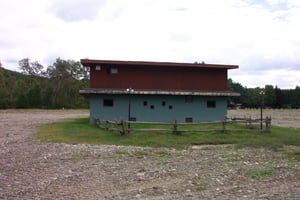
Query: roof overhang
x=157 y=92
x=89 y=63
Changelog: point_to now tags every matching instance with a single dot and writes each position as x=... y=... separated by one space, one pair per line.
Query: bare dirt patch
x=33 y=170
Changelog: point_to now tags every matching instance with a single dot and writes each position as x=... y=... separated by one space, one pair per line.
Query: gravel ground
x=280 y=117
x=33 y=170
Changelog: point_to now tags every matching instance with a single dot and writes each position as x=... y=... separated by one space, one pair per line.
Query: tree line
x=269 y=96
x=57 y=86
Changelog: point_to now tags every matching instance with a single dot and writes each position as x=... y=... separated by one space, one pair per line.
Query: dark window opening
x=211 y=104
x=108 y=102
x=145 y=103
x=163 y=103
x=189 y=120
x=170 y=107
x=188 y=99
x=152 y=107
x=133 y=119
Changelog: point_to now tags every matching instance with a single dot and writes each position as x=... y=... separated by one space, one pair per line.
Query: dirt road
x=33 y=170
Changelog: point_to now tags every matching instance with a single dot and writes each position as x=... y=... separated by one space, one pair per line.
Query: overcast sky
x=261 y=36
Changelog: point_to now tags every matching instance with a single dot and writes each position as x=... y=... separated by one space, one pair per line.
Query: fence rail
x=123 y=127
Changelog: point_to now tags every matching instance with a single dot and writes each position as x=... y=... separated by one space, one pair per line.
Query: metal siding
x=160 y=78
x=181 y=110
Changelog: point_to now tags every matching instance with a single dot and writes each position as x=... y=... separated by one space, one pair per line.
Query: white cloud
x=260 y=36
x=76 y=10
x=283 y=78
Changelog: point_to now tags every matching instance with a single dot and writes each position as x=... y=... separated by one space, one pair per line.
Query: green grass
x=79 y=130
x=259 y=173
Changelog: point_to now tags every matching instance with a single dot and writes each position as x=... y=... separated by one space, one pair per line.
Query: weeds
x=259 y=173
x=80 y=155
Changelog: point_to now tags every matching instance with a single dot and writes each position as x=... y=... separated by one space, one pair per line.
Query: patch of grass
x=232 y=158
x=79 y=130
x=80 y=155
x=164 y=154
x=294 y=156
x=124 y=185
x=259 y=173
x=200 y=187
x=180 y=153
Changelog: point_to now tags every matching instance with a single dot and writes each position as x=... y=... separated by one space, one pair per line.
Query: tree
x=279 y=97
x=30 y=96
x=296 y=102
x=31 y=68
x=270 y=96
x=236 y=87
x=20 y=93
x=34 y=96
x=3 y=90
x=65 y=82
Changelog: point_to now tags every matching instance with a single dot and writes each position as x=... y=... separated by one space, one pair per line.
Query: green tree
x=270 y=96
x=296 y=97
x=34 y=96
x=20 y=93
x=3 y=90
x=237 y=87
x=65 y=82
x=279 y=97
x=31 y=68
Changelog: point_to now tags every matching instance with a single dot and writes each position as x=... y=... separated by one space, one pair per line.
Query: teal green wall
x=197 y=109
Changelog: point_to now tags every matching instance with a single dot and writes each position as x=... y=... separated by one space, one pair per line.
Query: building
x=157 y=91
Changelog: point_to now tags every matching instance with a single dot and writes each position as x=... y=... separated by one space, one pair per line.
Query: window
x=145 y=103
x=163 y=103
x=152 y=107
x=98 y=67
x=133 y=119
x=170 y=107
x=189 y=120
x=188 y=99
x=112 y=70
x=211 y=104
x=108 y=102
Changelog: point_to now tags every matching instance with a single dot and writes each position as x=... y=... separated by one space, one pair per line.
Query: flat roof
x=88 y=62
x=157 y=92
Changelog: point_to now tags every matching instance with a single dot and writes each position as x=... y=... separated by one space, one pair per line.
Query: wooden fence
x=123 y=127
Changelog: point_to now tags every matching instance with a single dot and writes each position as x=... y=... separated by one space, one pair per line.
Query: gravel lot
x=280 y=117
x=33 y=170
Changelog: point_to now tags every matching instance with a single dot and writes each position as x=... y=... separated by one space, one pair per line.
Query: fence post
x=97 y=121
x=175 y=127
x=106 y=125
x=123 y=130
x=268 y=124
x=224 y=126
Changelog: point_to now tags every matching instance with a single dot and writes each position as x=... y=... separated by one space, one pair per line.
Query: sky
x=261 y=36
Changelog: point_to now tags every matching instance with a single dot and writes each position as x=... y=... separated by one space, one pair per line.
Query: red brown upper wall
x=157 y=75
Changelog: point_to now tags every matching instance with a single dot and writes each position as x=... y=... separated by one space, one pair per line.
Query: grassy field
x=78 y=130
